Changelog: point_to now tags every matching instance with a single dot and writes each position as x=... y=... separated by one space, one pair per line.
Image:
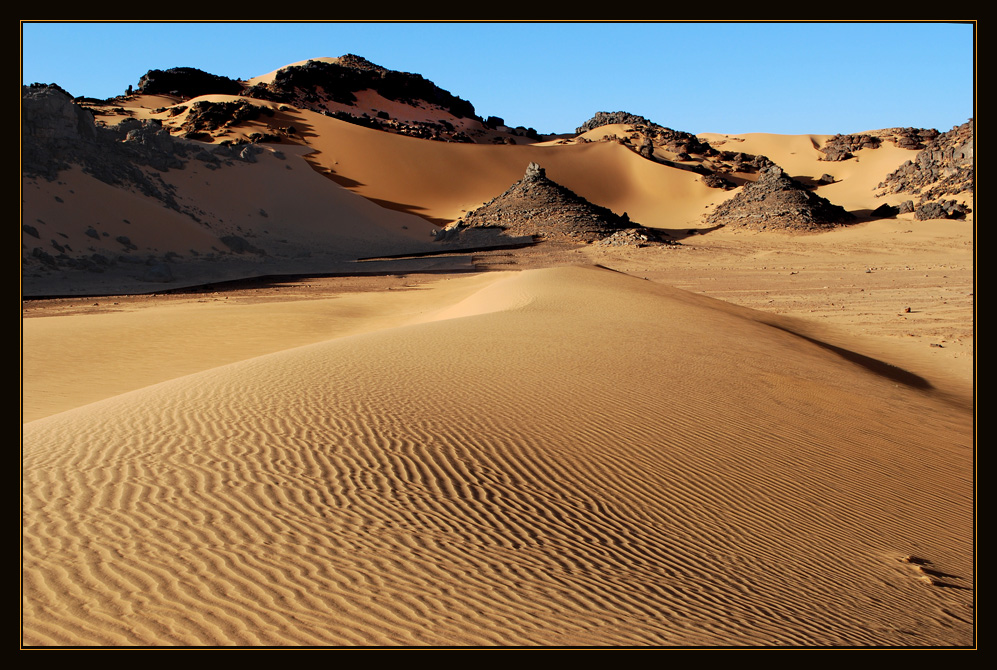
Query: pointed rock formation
x=537 y=206
x=778 y=202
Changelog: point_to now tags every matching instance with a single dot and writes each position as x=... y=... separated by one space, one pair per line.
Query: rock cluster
x=539 y=207
x=650 y=134
x=316 y=83
x=909 y=138
x=944 y=167
x=776 y=201
x=714 y=180
x=943 y=209
x=205 y=117
x=840 y=147
x=300 y=84
x=187 y=82
x=635 y=237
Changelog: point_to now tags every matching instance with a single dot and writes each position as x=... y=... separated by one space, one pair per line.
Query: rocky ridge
x=842 y=147
x=316 y=83
x=678 y=149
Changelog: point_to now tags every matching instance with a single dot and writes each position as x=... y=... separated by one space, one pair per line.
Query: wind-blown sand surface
x=564 y=456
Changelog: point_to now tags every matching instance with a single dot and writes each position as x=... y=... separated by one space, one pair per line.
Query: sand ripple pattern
x=602 y=461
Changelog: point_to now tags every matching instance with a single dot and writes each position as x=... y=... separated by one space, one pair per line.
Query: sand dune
x=664 y=469
x=442 y=181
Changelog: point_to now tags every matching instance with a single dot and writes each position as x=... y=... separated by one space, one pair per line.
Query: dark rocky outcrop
x=840 y=147
x=208 y=117
x=714 y=180
x=537 y=206
x=650 y=133
x=738 y=161
x=778 y=202
x=304 y=84
x=909 y=138
x=945 y=209
x=944 y=167
x=187 y=82
x=56 y=133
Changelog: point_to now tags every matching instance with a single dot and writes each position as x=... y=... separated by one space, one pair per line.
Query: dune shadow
x=874 y=365
x=809 y=183
x=415 y=210
x=679 y=234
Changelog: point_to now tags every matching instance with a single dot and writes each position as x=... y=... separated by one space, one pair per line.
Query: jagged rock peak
x=534 y=172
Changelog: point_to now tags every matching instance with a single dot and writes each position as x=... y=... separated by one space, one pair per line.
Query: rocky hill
x=778 y=202
x=317 y=83
x=187 y=82
x=539 y=207
x=678 y=149
x=945 y=167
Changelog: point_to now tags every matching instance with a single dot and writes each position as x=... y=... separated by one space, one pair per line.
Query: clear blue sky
x=698 y=77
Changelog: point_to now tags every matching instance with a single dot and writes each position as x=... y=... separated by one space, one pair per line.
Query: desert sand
x=748 y=439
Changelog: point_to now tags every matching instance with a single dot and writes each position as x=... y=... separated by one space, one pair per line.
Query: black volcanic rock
x=537 y=206
x=188 y=82
x=776 y=201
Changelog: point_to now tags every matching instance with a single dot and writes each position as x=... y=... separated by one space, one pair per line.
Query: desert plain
x=288 y=415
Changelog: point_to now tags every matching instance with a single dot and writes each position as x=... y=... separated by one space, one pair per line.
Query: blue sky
x=698 y=77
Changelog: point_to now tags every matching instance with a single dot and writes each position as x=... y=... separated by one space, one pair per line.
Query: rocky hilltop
x=679 y=149
x=778 y=202
x=945 y=167
x=187 y=82
x=841 y=147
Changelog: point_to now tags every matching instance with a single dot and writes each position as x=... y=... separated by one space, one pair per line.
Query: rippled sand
x=566 y=456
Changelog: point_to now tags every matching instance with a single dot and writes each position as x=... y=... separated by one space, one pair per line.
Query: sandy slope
x=564 y=456
x=295 y=220
x=442 y=180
